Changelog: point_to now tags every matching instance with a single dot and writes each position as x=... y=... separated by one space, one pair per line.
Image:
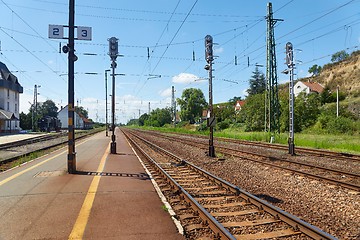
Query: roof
x=239 y=104
x=5 y=115
x=314 y=87
x=9 y=80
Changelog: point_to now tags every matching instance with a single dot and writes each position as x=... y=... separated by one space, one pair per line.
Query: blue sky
x=174 y=32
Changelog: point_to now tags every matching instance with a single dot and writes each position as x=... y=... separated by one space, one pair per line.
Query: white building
x=10 y=90
x=307 y=87
x=63 y=117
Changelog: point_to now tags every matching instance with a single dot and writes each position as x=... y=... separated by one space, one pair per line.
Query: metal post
x=211 y=121
x=291 y=114
x=290 y=63
x=173 y=106
x=106 y=109
x=273 y=110
x=113 y=142
x=337 y=101
x=33 y=109
x=71 y=108
x=211 y=140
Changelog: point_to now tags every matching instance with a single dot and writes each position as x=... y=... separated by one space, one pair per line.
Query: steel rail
x=225 y=150
x=293 y=221
x=7 y=160
x=216 y=227
x=30 y=140
x=316 y=152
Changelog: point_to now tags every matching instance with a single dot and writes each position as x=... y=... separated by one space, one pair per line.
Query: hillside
x=345 y=74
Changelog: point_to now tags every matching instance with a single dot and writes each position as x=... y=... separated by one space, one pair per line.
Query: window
x=15 y=95
x=16 y=107
x=8 y=93
x=8 y=106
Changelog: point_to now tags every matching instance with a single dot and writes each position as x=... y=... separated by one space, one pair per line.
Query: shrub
x=223 y=125
x=202 y=127
x=340 y=125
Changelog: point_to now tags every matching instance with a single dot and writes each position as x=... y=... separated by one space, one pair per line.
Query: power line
x=314 y=20
x=170 y=42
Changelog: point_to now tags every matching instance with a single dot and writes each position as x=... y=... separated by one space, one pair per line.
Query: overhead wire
x=157 y=64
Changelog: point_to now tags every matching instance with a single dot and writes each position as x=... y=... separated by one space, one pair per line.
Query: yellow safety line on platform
x=83 y=217
x=31 y=168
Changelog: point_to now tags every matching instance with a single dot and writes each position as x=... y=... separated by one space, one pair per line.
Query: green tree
x=191 y=103
x=253 y=112
x=234 y=100
x=48 y=108
x=284 y=109
x=257 y=83
x=339 y=56
x=25 y=121
x=82 y=111
x=224 y=112
x=315 y=70
x=159 y=117
x=306 y=111
x=143 y=118
x=133 y=122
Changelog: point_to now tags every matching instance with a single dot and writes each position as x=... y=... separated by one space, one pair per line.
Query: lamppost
x=106 y=109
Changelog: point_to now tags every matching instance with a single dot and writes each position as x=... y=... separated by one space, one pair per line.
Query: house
x=10 y=90
x=88 y=124
x=307 y=87
x=80 y=122
x=63 y=117
x=238 y=105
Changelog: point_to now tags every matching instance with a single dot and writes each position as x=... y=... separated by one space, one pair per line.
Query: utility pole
x=173 y=104
x=71 y=107
x=272 y=101
x=106 y=107
x=337 y=101
x=83 y=33
x=113 y=52
x=290 y=63
x=34 y=110
x=149 y=109
x=211 y=118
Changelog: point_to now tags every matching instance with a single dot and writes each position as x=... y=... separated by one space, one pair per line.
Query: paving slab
x=40 y=200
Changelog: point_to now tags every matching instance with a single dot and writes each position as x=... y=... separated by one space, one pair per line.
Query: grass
x=338 y=143
x=163 y=207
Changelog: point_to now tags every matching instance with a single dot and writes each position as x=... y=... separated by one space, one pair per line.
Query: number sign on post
x=84 y=33
x=56 y=31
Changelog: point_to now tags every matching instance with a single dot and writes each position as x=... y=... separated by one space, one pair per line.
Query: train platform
x=7 y=138
x=110 y=197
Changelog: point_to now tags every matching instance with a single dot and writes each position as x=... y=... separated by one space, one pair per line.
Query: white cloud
x=218 y=50
x=166 y=93
x=185 y=78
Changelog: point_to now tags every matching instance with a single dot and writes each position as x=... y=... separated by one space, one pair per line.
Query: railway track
x=35 y=144
x=337 y=177
x=33 y=140
x=285 y=148
x=203 y=201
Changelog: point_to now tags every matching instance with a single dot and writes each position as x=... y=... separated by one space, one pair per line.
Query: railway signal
x=113 y=48
x=209 y=57
x=113 y=53
x=290 y=70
